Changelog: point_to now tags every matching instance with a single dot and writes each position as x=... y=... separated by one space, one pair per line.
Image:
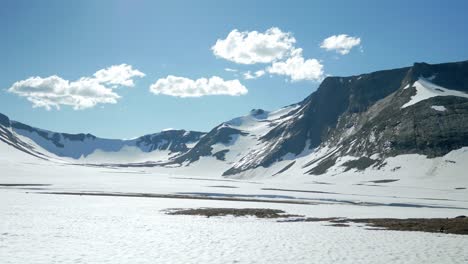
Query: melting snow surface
x=425 y=90
x=73 y=229
x=40 y=228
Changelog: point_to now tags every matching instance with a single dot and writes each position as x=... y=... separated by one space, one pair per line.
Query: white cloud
x=86 y=92
x=185 y=87
x=273 y=46
x=297 y=68
x=340 y=43
x=248 y=75
x=230 y=70
x=254 y=47
x=54 y=91
x=259 y=73
x=118 y=75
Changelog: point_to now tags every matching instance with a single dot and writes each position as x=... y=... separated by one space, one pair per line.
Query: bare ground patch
x=237 y=212
x=433 y=225
x=457 y=225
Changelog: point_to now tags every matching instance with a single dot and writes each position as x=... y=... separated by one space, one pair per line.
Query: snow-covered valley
x=37 y=227
x=84 y=229
x=390 y=144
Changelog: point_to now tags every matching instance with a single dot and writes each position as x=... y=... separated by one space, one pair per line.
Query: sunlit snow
x=425 y=90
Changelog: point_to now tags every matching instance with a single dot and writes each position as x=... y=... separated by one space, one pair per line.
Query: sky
x=122 y=69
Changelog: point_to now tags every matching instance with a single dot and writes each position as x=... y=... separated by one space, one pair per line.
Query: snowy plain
x=50 y=228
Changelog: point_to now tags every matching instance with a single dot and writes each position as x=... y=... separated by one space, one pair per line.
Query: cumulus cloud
x=272 y=46
x=254 y=47
x=118 y=75
x=248 y=75
x=340 y=43
x=297 y=68
x=86 y=92
x=185 y=87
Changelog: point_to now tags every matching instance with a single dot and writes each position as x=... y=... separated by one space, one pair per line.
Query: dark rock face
x=416 y=129
x=4 y=120
x=257 y=112
x=452 y=76
x=363 y=115
x=319 y=113
x=221 y=155
x=172 y=140
x=360 y=164
x=389 y=129
x=219 y=135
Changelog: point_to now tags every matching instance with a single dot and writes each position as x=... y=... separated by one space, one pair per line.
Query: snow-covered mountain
x=87 y=148
x=404 y=121
x=349 y=124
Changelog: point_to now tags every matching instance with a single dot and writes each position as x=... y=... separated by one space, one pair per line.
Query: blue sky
x=74 y=39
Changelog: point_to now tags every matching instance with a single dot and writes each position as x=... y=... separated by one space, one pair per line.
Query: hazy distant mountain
x=83 y=146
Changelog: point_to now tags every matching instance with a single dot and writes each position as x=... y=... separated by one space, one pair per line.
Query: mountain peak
x=258 y=113
x=4 y=120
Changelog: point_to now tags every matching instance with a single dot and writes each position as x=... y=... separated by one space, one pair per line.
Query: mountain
x=236 y=137
x=380 y=121
x=10 y=138
x=89 y=148
x=367 y=118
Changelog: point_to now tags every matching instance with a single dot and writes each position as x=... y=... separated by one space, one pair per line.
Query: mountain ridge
x=174 y=141
x=419 y=109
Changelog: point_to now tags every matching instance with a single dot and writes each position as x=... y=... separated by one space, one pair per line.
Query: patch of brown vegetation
x=210 y=212
x=339 y=225
x=457 y=225
x=434 y=225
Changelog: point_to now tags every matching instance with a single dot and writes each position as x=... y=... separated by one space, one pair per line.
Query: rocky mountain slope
x=350 y=123
x=415 y=110
x=90 y=148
